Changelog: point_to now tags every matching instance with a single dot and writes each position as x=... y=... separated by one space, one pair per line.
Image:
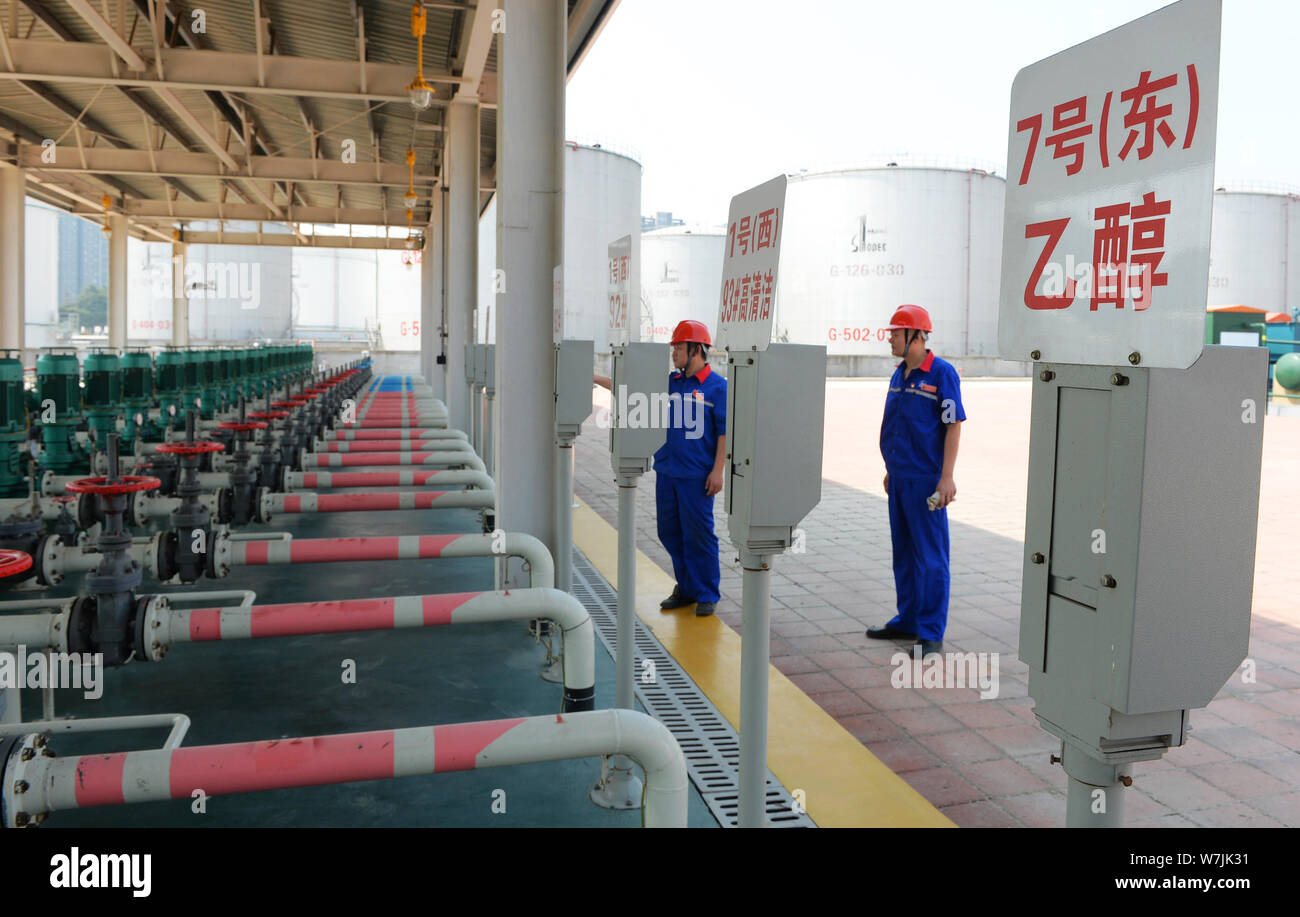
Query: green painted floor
x=263 y=689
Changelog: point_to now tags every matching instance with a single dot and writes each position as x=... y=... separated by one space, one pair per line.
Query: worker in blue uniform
x=919 y=435
x=688 y=470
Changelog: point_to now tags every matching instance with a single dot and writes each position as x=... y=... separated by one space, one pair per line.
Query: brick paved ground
x=985 y=762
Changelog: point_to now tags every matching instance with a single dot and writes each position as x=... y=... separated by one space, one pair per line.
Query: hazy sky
x=716 y=96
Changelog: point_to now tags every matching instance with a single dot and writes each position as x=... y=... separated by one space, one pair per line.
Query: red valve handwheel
x=14 y=562
x=284 y=404
x=268 y=415
x=242 y=427
x=199 y=447
x=127 y=484
x=64 y=498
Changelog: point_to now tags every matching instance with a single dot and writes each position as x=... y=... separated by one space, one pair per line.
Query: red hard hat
x=910 y=317
x=692 y=332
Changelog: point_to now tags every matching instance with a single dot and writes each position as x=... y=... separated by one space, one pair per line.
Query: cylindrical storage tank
x=602 y=203
x=1255 y=251
x=858 y=243
x=681 y=278
x=239 y=292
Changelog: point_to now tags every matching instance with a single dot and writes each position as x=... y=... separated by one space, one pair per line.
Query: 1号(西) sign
x=1110 y=184
x=619 y=286
x=749 y=267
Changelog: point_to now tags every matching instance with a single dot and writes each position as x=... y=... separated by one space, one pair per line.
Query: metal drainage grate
x=711 y=746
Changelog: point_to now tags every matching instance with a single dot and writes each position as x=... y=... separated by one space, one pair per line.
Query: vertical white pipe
x=462 y=248
x=488 y=431
x=755 y=648
x=180 y=302
x=13 y=203
x=625 y=648
x=531 y=60
x=564 y=516
x=432 y=273
x=117 y=280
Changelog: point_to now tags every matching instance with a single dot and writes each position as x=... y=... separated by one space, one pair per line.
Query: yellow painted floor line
x=844 y=784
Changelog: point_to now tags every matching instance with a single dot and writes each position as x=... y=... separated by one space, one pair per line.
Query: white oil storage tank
x=1255 y=249
x=859 y=242
x=681 y=278
x=602 y=203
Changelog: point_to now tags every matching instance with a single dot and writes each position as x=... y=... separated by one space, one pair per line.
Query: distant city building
x=661 y=219
x=83 y=256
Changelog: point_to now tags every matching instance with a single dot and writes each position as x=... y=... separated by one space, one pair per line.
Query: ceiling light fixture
x=421 y=93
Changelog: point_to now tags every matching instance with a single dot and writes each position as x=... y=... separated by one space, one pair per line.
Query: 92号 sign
x=619 y=287
x=750 y=259
x=1110 y=161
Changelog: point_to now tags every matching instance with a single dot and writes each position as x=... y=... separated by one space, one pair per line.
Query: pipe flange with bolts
x=16 y=778
x=149 y=642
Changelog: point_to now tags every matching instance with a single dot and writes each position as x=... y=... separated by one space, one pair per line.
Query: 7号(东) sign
x=749 y=267
x=619 y=284
x=1110 y=161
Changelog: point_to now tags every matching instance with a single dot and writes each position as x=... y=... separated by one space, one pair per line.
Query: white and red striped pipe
x=165 y=625
x=395 y=421
x=53 y=784
x=394 y=445
x=400 y=547
x=403 y=433
x=420 y=477
x=358 y=459
x=290 y=504
x=298 y=619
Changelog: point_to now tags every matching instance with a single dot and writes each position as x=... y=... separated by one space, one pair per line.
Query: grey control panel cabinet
x=1139 y=545
x=485 y=365
x=638 y=399
x=573 y=362
x=776 y=414
x=471 y=352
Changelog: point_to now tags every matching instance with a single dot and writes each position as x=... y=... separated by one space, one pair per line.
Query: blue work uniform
x=917 y=411
x=697 y=416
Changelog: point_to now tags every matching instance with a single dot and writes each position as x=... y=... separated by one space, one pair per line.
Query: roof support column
x=530 y=237
x=462 y=251
x=13 y=203
x=180 y=302
x=431 y=300
x=117 y=281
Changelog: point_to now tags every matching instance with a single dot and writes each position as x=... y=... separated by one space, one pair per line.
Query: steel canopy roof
x=182 y=118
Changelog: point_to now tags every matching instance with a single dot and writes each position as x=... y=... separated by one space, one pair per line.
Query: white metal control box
x=638 y=405
x=573 y=362
x=776 y=415
x=471 y=351
x=1140 y=529
x=485 y=365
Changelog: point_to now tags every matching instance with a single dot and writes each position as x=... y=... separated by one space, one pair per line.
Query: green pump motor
x=58 y=412
x=137 y=395
x=170 y=380
x=13 y=425
x=102 y=398
x=193 y=380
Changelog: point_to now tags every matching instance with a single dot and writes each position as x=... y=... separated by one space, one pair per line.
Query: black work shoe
x=704 y=609
x=676 y=600
x=885 y=632
x=930 y=646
